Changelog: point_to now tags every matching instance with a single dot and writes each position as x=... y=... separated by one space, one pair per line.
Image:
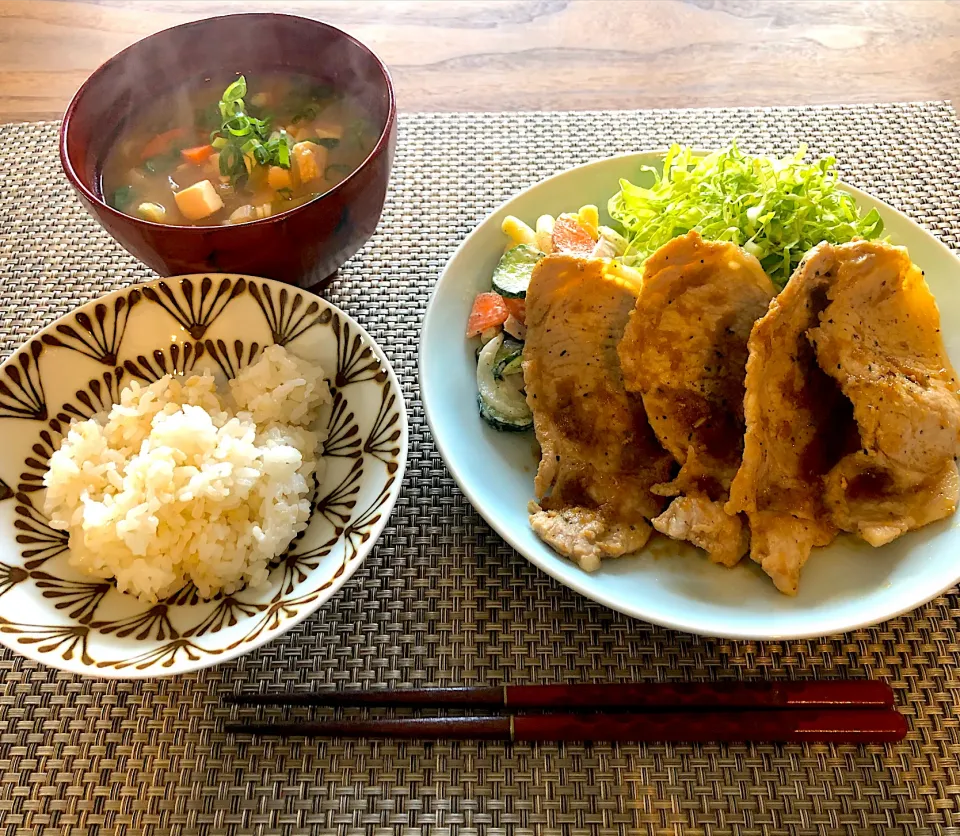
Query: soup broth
x=193 y=159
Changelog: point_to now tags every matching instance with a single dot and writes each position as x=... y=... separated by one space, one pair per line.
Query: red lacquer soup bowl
x=304 y=245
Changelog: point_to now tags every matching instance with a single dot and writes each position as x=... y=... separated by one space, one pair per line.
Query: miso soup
x=259 y=150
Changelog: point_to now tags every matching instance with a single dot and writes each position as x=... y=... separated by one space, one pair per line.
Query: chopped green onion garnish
x=239 y=125
x=122 y=198
x=305 y=115
x=243 y=135
x=357 y=132
x=228 y=109
x=240 y=135
x=236 y=91
x=322 y=91
x=231 y=162
x=283 y=153
x=325 y=141
x=335 y=168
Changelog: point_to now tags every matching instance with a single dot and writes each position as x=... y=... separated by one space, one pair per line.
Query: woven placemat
x=442 y=600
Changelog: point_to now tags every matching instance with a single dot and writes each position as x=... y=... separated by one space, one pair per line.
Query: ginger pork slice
x=684 y=352
x=798 y=424
x=600 y=457
x=879 y=339
x=852 y=409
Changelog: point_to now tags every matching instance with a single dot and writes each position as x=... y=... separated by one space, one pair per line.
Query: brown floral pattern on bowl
x=76 y=368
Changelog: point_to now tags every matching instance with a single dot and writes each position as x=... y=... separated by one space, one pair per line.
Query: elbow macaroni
x=518 y=232
x=545 y=234
x=589 y=217
x=542 y=238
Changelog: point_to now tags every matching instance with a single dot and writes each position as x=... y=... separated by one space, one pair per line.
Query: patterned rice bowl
x=76 y=367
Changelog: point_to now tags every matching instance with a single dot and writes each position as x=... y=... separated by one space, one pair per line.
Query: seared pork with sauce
x=685 y=352
x=852 y=409
x=796 y=420
x=879 y=340
x=600 y=458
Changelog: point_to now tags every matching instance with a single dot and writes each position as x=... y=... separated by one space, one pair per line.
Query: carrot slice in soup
x=197 y=155
x=517 y=308
x=488 y=311
x=161 y=143
x=570 y=237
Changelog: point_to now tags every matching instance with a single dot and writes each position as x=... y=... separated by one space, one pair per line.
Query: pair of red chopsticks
x=834 y=711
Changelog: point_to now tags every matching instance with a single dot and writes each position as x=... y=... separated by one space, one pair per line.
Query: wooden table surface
x=543 y=54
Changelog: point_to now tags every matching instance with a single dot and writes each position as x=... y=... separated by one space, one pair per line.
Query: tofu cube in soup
x=198 y=201
x=310 y=160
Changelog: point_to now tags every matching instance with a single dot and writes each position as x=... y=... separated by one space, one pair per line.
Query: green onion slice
x=236 y=91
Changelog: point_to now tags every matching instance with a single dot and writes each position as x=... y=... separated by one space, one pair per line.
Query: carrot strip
x=197 y=155
x=517 y=308
x=570 y=237
x=161 y=143
x=488 y=311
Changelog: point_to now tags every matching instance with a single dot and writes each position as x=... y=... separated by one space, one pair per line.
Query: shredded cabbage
x=775 y=209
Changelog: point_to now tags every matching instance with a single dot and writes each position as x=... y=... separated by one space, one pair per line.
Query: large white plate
x=844 y=586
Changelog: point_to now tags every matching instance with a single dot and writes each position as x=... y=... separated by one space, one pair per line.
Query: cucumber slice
x=512 y=276
x=610 y=244
x=501 y=401
x=501 y=422
x=509 y=358
x=505 y=368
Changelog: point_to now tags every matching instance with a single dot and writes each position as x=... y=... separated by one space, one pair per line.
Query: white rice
x=179 y=483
